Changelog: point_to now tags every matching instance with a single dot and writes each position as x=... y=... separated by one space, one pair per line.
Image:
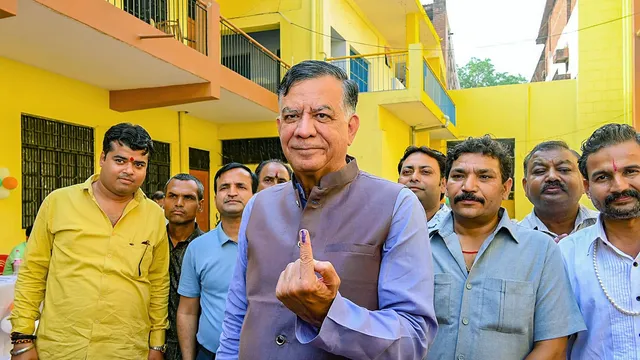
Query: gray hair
x=605 y=136
x=187 y=177
x=313 y=69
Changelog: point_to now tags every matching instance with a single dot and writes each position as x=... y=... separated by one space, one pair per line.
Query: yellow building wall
x=605 y=64
x=360 y=34
x=396 y=136
x=530 y=113
x=40 y=93
x=292 y=17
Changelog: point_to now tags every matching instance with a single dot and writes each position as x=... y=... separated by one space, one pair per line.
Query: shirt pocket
x=358 y=266
x=135 y=258
x=507 y=306
x=442 y=298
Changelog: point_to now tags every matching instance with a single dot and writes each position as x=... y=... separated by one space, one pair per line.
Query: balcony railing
x=436 y=91
x=244 y=55
x=185 y=20
x=375 y=72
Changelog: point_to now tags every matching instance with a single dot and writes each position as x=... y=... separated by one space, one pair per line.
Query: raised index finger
x=307 y=262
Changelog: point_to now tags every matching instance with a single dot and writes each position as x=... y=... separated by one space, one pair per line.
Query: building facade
x=201 y=78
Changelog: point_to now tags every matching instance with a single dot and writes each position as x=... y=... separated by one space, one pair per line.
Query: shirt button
x=109 y=256
x=465 y=321
x=97 y=321
x=460 y=357
x=637 y=298
x=469 y=286
x=280 y=340
x=635 y=263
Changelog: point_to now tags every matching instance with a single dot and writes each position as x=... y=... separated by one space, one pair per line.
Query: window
x=54 y=155
x=198 y=159
x=251 y=151
x=159 y=169
x=359 y=72
x=510 y=145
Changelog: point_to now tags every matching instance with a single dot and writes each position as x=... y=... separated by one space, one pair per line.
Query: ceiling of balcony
x=231 y=107
x=386 y=13
x=46 y=39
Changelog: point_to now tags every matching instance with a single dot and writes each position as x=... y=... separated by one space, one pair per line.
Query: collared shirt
x=176 y=255
x=206 y=272
x=106 y=286
x=16 y=253
x=610 y=335
x=364 y=329
x=516 y=293
x=586 y=217
x=438 y=217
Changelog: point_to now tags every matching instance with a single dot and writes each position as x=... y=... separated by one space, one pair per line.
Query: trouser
x=204 y=354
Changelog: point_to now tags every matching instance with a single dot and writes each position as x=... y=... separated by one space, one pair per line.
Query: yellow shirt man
x=106 y=287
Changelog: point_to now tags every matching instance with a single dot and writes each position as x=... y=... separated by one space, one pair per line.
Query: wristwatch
x=162 y=348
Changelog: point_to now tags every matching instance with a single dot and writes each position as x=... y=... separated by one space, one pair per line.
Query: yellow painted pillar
x=423 y=138
x=413 y=28
x=605 y=71
x=415 y=77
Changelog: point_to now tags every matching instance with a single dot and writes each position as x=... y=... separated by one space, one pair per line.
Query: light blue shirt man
x=517 y=293
x=442 y=213
x=207 y=269
x=610 y=335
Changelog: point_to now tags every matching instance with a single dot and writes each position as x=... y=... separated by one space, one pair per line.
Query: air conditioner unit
x=561 y=56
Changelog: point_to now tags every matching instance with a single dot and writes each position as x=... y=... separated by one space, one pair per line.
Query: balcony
x=375 y=72
x=247 y=57
x=435 y=89
x=404 y=83
x=184 y=20
x=145 y=53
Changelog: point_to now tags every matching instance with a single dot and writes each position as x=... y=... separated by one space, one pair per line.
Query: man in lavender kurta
x=366 y=237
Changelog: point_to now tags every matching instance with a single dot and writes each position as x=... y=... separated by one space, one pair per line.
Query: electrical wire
x=435 y=49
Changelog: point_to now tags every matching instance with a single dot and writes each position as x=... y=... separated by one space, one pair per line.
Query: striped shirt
x=610 y=335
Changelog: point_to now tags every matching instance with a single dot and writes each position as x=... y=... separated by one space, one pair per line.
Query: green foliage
x=481 y=73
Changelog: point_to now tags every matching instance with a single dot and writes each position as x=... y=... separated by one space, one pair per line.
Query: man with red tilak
x=98 y=257
x=603 y=260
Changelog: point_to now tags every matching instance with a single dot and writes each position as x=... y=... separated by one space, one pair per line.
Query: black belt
x=210 y=354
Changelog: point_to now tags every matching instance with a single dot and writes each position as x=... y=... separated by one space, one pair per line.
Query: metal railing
x=185 y=20
x=434 y=88
x=244 y=55
x=375 y=72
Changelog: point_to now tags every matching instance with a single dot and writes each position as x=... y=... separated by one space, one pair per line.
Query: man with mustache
x=501 y=291
x=602 y=260
x=364 y=236
x=553 y=184
x=184 y=200
x=421 y=169
x=208 y=266
x=98 y=257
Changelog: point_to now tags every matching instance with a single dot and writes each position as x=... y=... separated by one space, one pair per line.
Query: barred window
x=54 y=155
x=251 y=151
x=509 y=145
x=159 y=169
x=198 y=159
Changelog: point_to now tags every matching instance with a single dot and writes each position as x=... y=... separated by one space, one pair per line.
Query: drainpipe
x=314 y=23
x=180 y=140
